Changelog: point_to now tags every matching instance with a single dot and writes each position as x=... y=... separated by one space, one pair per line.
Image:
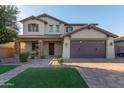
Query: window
x=50 y=28
x=34 y=46
x=33 y=28
x=57 y=28
x=69 y=29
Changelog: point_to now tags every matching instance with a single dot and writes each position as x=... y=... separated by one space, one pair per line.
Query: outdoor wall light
x=111 y=43
x=80 y=41
x=66 y=44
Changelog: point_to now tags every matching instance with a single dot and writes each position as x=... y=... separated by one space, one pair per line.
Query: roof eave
x=102 y=30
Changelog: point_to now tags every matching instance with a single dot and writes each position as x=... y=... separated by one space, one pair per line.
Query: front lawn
x=5 y=68
x=48 y=78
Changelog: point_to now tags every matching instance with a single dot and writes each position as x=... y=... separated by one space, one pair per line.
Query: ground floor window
x=34 y=46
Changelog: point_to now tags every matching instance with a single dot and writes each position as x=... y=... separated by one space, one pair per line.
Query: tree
x=8 y=23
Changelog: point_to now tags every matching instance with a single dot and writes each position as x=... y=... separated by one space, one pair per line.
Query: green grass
x=48 y=78
x=5 y=68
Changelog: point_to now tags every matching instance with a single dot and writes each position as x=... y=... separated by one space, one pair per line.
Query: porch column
x=110 y=49
x=40 y=42
x=66 y=48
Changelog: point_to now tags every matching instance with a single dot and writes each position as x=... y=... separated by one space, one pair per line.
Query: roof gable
x=46 y=15
x=94 y=27
x=33 y=17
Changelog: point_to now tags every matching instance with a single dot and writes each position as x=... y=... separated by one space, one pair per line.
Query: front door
x=51 y=48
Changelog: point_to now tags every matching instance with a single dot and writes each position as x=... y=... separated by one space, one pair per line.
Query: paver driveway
x=104 y=75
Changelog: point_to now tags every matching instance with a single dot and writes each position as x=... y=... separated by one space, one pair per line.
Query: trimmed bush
x=42 y=57
x=23 y=57
x=60 y=60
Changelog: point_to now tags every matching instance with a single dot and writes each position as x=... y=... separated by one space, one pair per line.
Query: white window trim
x=50 y=28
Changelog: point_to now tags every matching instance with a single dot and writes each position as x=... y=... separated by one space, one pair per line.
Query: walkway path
x=14 y=72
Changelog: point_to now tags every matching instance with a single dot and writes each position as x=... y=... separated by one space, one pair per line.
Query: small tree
x=8 y=23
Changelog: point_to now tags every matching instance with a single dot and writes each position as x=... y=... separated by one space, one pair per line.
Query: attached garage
x=89 y=41
x=87 y=49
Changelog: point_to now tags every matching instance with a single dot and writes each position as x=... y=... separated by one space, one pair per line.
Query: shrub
x=23 y=57
x=32 y=56
x=59 y=56
x=42 y=57
x=60 y=60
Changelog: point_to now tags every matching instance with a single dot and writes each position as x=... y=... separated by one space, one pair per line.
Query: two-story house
x=54 y=37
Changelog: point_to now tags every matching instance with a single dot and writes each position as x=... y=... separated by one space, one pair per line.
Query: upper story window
x=33 y=28
x=50 y=28
x=57 y=28
x=69 y=29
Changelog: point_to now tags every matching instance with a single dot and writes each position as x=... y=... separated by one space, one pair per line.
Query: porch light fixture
x=66 y=44
x=111 y=43
x=80 y=41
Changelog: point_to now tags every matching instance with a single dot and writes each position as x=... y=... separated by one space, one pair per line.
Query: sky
x=110 y=18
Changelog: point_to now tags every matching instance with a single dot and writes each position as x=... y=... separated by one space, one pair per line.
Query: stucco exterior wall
x=28 y=47
x=54 y=23
x=41 y=27
x=58 y=49
x=88 y=33
x=110 y=48
x=46 y=48
x=66 y=48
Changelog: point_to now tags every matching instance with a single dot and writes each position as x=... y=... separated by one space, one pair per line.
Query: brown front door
x=51 y=48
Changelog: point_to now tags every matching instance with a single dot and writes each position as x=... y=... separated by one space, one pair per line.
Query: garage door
x=87 y=49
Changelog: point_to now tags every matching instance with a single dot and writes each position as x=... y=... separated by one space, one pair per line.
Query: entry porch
x=42 y=47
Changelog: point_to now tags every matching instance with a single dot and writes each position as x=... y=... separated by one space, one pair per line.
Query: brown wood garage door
x=87 y=49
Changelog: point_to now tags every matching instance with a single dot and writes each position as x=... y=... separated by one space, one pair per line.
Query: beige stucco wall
x=66 y=48
x=110 y=48
x=28 y=47
x=45 y=48
x=54 y=23
x=58 y=49
x=25 y=27
x=88 y=33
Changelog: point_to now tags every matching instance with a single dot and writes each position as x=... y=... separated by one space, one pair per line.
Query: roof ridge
x=45 y=14
x=31 y=17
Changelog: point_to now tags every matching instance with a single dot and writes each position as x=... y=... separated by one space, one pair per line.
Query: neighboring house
x=119 y=44
x=53 y=37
